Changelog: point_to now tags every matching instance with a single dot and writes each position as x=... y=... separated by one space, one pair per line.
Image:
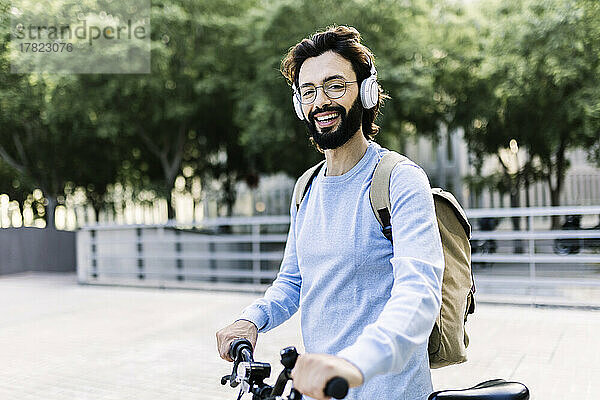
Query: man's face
x=331 y=122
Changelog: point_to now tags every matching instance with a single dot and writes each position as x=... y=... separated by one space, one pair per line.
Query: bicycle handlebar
x=241 y=351
x=337 y=388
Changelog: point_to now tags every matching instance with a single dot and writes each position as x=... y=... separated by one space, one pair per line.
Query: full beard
x=329 y=139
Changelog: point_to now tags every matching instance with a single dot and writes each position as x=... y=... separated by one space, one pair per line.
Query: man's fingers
x=223 y=343
x=224 y=350
x=225 y=356
x=238 y=330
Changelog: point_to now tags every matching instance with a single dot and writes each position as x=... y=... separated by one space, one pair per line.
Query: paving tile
x=60 y=340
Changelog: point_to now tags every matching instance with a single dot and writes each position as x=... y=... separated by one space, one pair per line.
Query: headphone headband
x=373 y=70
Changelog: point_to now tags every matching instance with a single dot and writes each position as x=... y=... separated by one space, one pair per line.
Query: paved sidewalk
x=60 y=340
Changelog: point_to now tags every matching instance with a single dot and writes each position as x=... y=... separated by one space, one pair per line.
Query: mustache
x=339 y=109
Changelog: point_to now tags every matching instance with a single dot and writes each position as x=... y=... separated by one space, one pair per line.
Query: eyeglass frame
x=299 y=95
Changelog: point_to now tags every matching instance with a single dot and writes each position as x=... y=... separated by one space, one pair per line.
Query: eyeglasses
x=334 y=89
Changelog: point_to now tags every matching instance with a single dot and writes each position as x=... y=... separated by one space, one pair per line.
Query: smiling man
x=367 y=305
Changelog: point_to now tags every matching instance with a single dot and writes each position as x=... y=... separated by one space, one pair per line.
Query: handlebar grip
x=337 y=388
x=241 y=349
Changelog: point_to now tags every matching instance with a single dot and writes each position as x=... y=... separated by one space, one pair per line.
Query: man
x=367 y=307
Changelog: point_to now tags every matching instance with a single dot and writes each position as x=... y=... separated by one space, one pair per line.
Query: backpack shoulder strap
x=380 y=190
x=304 y=183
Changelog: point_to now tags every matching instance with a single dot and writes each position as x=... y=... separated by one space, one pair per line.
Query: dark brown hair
x=345 y=41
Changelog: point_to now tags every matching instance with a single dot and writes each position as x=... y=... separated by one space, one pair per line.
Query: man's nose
x=321 y=98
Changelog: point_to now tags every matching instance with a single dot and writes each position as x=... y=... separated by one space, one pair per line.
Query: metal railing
x=238 y=252
x=532 y=235
x=244 y=253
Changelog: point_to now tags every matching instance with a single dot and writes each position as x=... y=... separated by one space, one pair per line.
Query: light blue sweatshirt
x=360 y=298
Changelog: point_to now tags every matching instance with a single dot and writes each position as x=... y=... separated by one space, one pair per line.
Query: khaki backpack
x=448 y=339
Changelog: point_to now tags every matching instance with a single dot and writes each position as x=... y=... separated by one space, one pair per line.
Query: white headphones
x=369 y=92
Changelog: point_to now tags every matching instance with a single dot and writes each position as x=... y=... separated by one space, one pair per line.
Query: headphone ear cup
x=369 y=92
x=298 y=107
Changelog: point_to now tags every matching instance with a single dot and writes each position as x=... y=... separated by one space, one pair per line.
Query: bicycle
x=487 y=246
x=251 y=375
x=574 y=246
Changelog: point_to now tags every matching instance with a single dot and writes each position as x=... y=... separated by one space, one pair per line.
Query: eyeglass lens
x=334 y=89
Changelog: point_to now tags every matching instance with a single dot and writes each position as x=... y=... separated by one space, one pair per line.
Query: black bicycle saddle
x=496 y=389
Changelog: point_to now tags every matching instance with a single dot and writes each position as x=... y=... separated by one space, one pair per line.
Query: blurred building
x=272 y=197
x=447 y=164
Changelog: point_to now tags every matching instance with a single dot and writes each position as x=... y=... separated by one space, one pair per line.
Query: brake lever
x=233 y=383
x=233 y=380
x=227 y=378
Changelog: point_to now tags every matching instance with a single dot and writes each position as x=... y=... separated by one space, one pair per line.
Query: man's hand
x=313 y=371
x=240 y=329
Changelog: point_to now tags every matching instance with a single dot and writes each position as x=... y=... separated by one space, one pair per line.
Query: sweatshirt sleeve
x=282 y=298
x=407 y=319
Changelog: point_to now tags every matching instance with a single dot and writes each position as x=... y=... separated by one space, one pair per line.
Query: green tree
x=533 y=77
x=48 y=141
x=48 y=134
x=181 y=113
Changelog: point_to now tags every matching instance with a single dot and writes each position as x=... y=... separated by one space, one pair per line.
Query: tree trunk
x=50 y=223
x=170 y=158
x=170 y=171
x=555 y=192
x=560 y=178
x=555 y=202
x=229 y=195
x=96 y=219
x=170 y=208
x=515 y=201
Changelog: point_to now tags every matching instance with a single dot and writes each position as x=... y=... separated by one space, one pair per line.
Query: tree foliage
x=529 y=72
x=216 y=102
